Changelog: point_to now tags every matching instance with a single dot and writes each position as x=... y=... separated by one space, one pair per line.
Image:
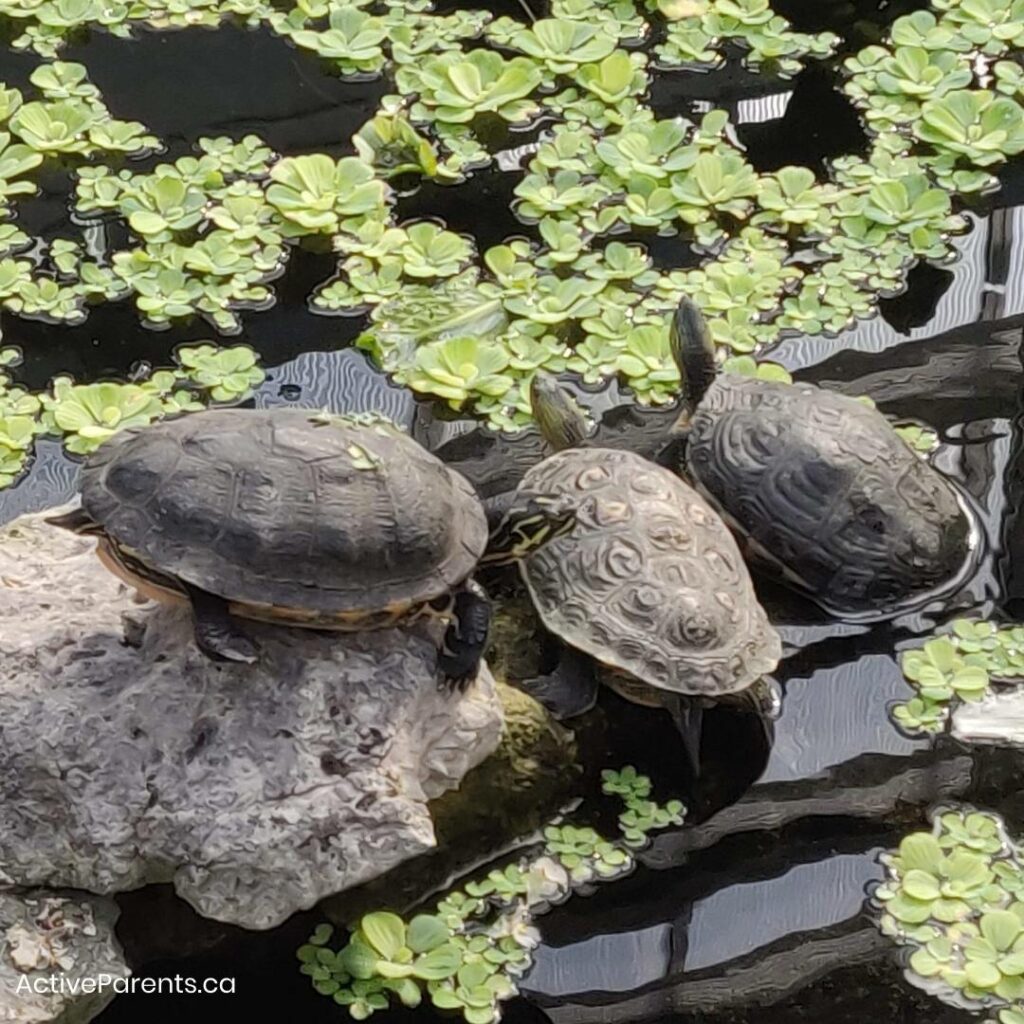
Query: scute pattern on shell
x=827 y=491
x=649 y=581
x=270 y=508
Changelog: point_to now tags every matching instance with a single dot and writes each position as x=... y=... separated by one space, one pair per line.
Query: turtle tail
x=694 y=353
x=77 y=521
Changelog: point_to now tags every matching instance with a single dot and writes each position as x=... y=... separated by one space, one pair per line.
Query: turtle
x=826 y=493
x=289 y=517
x=495 y=462
x=632 y=568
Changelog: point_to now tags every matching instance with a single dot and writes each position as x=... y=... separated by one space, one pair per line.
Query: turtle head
x=530 y=523
x=693 y=352
x=558 y=415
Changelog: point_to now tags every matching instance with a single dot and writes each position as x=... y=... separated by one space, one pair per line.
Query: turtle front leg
x=216 y=632
x=570 y=689
x=466 y=637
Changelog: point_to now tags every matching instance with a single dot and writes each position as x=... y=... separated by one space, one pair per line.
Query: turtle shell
x=281 y=509
x=826 y=491
x=649 y=580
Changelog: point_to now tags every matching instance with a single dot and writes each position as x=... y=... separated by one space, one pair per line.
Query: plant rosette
x=86 y=415
x=226 y=375
x=969 y=949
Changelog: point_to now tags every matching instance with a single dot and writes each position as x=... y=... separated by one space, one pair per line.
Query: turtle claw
x=568 y=691
x=220 y=644
x=216 y=634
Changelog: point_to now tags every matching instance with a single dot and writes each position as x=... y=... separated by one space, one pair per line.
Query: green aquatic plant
x=962 y=665
x=17 y=434
x=978 y=125
x=993 y=26
x=317 y=195
x=163 y=205
x=16 y=160
x=89 y=414
x=922 y=440
x=968 y=951
x=353 y=41
x=224 y=374
x=61 y=127
x=457 y=368
x=391 y=145
x=467 y=955
x=563 y=45
x=456 y=88
x=248 y=156
x=645 y=361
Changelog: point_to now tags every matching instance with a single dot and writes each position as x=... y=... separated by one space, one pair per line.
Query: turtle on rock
x=822 y=487
x=290 y=517
x=631 y=567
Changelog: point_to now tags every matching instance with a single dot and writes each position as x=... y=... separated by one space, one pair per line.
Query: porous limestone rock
x=127 y=757
x=59 y=960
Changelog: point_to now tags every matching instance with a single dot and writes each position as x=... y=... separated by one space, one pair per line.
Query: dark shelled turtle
x=289 y=517
x=821 y=485
x=629 y=565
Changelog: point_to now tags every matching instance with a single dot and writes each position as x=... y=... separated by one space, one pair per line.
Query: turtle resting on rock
x=630 y=566
x=821 y=485
x=289 y=517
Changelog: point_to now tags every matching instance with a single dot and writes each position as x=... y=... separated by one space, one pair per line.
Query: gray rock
x=998 y=718
x=127 y=757
x=59 y=960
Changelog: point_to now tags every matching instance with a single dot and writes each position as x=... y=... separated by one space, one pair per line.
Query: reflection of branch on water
x=769 y=979
x=773 y=806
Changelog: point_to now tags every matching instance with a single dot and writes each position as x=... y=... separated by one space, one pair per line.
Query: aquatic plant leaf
x=384 y=931
x=426 y=933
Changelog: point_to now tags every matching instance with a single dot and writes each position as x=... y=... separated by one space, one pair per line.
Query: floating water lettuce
x=89 y=414
x=226 y=375
x=952 y=896
x=957 y=666
x=456 y=88
x=467 y=955
x=317 y=195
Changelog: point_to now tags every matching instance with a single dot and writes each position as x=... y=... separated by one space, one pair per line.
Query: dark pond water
x=754 y=909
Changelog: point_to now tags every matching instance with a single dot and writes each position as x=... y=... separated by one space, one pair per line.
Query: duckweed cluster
x=953 y=897
x=961 y=665
x=781 y=252
x=86 y=415
x=468 y=953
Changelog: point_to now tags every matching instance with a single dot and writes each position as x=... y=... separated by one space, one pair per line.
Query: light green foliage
x=225 y=375
x=468 y=953
x=923 y=440
x=698 y=28
x=317 y=195
x=86 y=415
x=392 y=146
x=456 y=88
x=957 y=666
x=952 y=895
x=779 y=252
x=19 y=421
x=353 y=40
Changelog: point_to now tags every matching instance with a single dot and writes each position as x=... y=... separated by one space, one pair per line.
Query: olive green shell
x=649 y=581
x=277 y=508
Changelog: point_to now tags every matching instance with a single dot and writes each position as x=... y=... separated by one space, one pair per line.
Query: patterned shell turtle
x=289 y=517
x=629 y=565
x=821 y=485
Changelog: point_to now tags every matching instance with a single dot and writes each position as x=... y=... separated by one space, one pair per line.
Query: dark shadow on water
x=228 y=82
x=819 y=124
x=112 y=340
x=926 y=284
